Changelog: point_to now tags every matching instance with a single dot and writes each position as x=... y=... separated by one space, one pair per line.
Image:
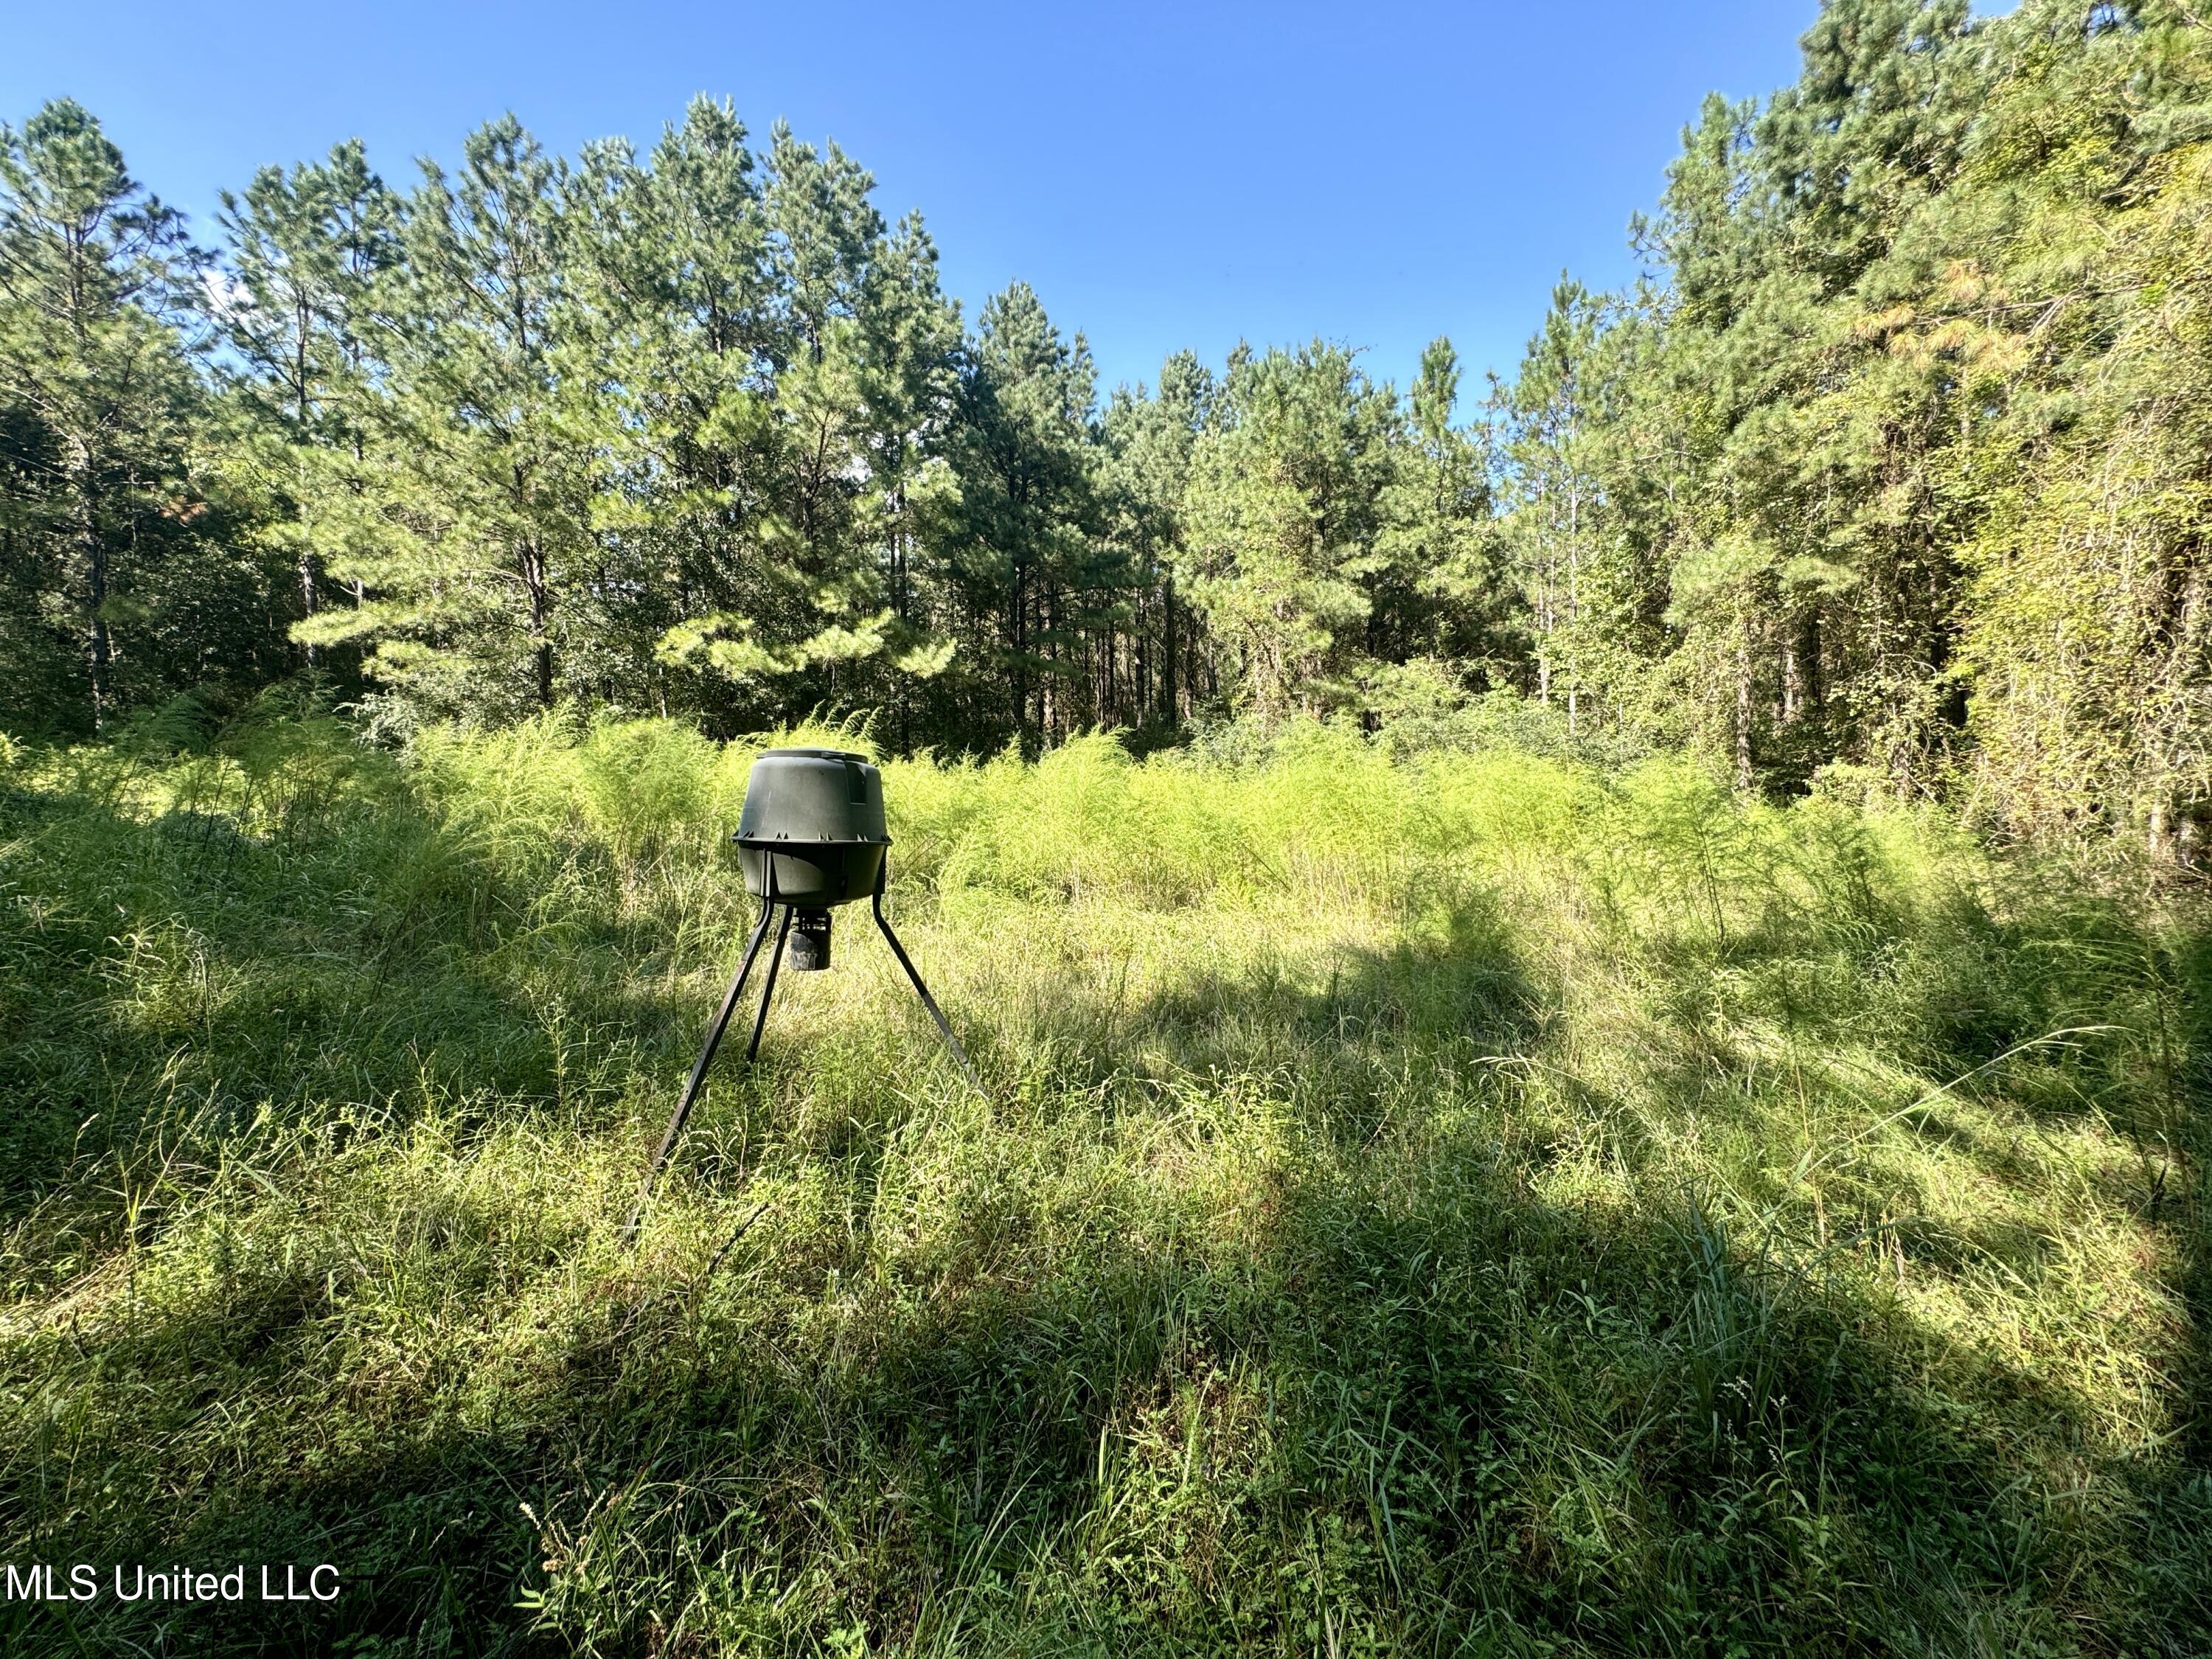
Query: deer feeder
x=810 y=839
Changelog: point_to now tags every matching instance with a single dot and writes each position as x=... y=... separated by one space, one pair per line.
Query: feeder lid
x=817 y=795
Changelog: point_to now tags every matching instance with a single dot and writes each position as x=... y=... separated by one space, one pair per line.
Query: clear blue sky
x=1163 y=175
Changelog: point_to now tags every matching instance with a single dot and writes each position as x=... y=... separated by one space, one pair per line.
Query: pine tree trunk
x=1141 y=668
x=1021 y=679
x=1810 y=676
x=1574 y=606
x=541 y=607
x=307 y=594
x=303 y=413
x=903 y=546
x=1743 y=705
x=1049 y=713
x=1546 y=622
x=93 y=551
x=1168 y=656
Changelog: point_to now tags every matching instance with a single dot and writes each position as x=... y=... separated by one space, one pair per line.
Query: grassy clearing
x=1464 y=1205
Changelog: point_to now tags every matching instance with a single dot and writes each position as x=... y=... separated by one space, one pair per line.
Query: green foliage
x=1283 y=514
x=117 y=587
x=1021 y=455
x=1888 y=460
x=1892 y=466
x=696 y=430
x=1473 y=1202
x=466 y=513
x=1444 y=601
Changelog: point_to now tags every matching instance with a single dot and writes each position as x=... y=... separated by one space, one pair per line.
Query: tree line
x=1895 y=466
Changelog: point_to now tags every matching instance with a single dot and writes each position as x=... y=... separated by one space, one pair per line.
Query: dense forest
x=1895 y=470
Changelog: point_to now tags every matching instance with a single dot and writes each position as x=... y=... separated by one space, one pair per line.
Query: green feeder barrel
x=810 y=833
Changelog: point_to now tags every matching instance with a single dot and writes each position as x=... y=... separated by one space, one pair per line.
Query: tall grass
x=1458 y=1203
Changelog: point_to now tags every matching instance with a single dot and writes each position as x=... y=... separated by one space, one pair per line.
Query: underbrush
x=1458 y=1203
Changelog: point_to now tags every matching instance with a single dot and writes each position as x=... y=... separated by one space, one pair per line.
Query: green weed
x=1455 y=1203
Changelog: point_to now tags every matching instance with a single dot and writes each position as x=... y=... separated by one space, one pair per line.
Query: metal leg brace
x=769 y=905
x=919 y=989
x=706 y=1058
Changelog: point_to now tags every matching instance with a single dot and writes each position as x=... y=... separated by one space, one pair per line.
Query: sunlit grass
x=1459 y=1204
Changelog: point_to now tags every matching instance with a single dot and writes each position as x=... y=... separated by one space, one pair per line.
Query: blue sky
x=1163 y=175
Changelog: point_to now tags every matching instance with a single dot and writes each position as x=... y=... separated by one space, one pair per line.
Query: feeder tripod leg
x=760 y=1019
x=922 y=991
x=706 y=1058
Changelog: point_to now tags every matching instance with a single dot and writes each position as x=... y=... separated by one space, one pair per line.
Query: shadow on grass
x=1414 y=1405
x=174 y=984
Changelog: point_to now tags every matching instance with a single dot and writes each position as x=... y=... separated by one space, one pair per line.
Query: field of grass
x=1465 y=1204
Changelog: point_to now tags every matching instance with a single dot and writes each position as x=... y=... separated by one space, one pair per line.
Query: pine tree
x=1282 y=516
x=1446 y=601
x=1558 y=497
x=2087 y=637
x=100 y=400
x=1148 y=441
x=1022 y=454
x=824 y=377
x=468 y=523
x=307 y=247
x=671 y=259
